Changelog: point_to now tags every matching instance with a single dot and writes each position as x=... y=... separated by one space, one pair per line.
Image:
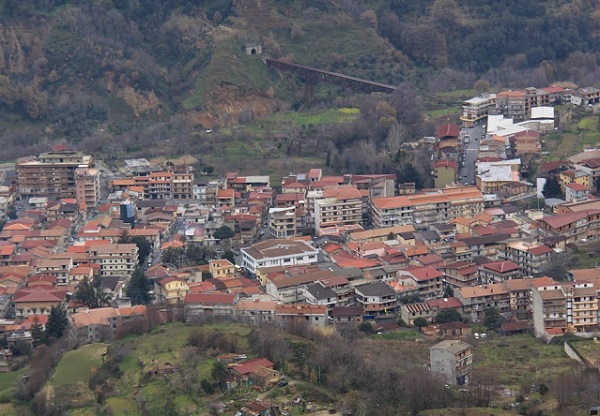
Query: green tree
x=420 y=322
x=219 y=374
x=195 y=254
x=138 y=288
x=57 y=322
x=552 y=188
x=228 y=254
x=493 y=319
x=143 y=245
x=206 y=275
x=224 y=233
x=37 y=332
x=366 y=327
x=173 y=255
x=91 y=293
x=448 y=315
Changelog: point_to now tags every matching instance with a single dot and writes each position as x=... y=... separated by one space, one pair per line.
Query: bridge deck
x=330 y=76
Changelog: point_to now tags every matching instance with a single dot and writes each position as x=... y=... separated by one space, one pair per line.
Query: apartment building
x=459 y=274
x=114 y=259
x=177 y=183
x=427 y=280
x=477 y=109
x=575 y=176
x=340 y=205
x=51 y=174
x=283 y=222
x=182 y=182
x=529 y=254
x=477 y=299
x=574 y=226
x=87 y=185
x=423 y=210
x=453 y=360
x=278 y=252
x=499 y=272
x=560 y=307
x=376 y=298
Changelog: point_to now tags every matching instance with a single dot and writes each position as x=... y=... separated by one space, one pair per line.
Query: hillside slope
x=99 y=69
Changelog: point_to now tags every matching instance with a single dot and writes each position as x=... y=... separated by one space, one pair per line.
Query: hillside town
x=312 y=249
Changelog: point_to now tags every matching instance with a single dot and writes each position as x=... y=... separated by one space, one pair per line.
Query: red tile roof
x=210 y=298
x=448 y=130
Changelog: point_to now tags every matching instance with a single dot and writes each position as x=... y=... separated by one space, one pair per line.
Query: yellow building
x=170 y=289
x=222 y=269
x=444 y=172
x=569 y=177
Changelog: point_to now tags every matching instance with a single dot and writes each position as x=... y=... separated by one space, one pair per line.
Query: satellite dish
x=445 y=299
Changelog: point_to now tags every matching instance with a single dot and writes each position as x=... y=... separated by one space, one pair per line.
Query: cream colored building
x=87 y=183
x=340 y=205
x=282 y=222
x=427 y=208
x=51 y=174
x=115 y=259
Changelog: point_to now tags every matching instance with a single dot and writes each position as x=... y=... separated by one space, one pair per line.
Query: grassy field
x=77 y=366
x=8 y=381
x=521 y=360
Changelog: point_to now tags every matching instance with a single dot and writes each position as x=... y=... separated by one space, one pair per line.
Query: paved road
x=469 y=153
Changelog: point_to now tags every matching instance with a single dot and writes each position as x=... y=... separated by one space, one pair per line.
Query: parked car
x=282 y=383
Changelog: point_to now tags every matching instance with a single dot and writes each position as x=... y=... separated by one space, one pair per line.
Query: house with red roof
x=208 y=303
x=427 y=279
x=460 y=274
x=499 y=271
x=37 y=300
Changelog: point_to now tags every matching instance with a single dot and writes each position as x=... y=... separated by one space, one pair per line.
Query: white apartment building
x=282 y=222
x=278 y=252
x=115 y=259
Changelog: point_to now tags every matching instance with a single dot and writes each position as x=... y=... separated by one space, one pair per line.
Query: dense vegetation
x=145 y=78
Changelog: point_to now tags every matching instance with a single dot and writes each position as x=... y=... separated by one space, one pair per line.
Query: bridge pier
x=309 y=92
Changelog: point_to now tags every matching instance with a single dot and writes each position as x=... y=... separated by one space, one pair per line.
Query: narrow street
x=469 y=153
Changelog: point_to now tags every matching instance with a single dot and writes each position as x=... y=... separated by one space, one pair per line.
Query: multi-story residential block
x=520 y=292
x=340 y=205
x=492 y=176
x=477 y=299
x=427 y=279
x=51 y=174
x=477 y=109
x=317 y=294
x=57 y=267
x=114 y=259
x=283 y=222
x=576 y=192
x=87 y=184
x=575 y=176
x=574 y=226
x=453 y=360
x=182 y=183
x=529 y=254
x=499 y=272
x=278 y=252
x=459 y=274
x=376 y=298
x=423 y=210
x=562 y=307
